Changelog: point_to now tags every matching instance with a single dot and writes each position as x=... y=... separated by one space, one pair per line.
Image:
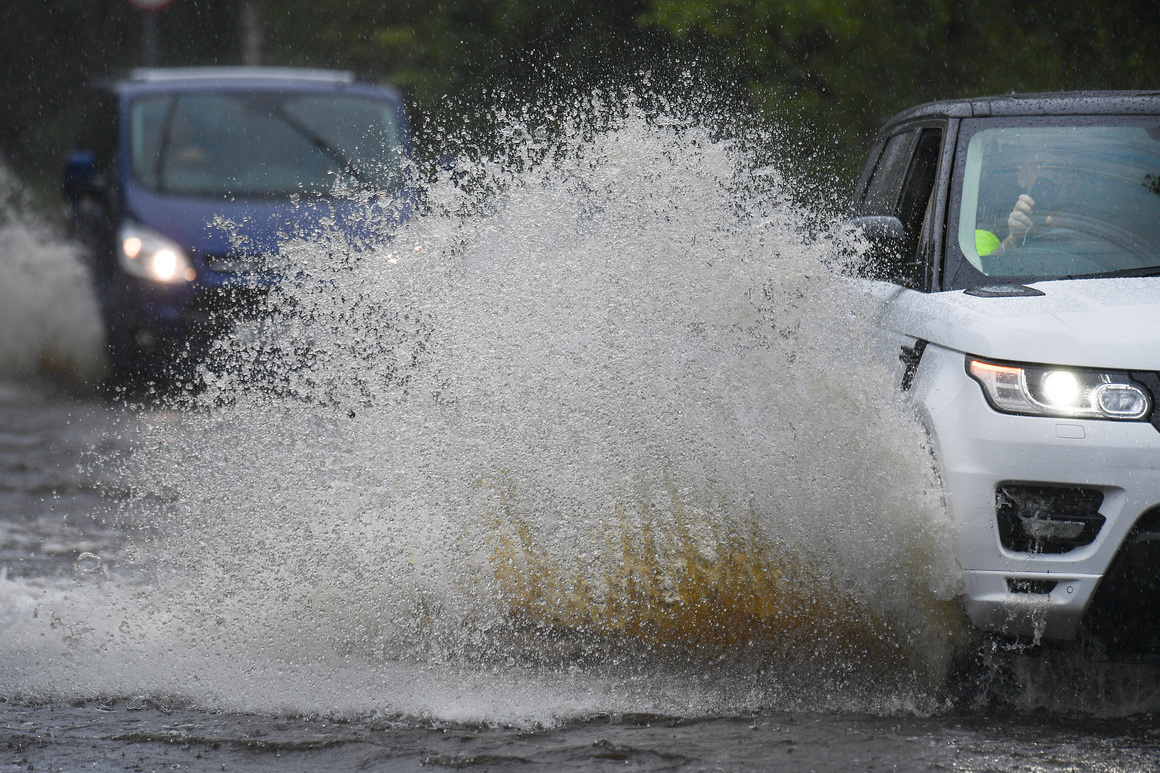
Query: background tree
x=827 y=72
x=839 y=68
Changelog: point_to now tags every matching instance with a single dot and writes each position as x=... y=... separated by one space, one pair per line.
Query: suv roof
x=1055 y=103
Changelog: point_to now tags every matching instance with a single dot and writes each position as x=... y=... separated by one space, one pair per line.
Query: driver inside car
x=1041 y=188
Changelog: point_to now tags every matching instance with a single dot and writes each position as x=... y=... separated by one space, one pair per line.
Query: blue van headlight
x=1046 y=390
x=149 y=255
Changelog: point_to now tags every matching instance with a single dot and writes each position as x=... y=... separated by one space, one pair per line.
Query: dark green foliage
x=52 y=49
x=827 y=72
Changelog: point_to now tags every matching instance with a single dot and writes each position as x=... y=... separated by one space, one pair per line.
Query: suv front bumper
x=1029 y=594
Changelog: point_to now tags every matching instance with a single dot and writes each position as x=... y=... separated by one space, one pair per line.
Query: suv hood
x=1105 y=323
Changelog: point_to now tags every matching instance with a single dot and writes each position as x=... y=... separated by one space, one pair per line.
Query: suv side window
x=914 y=207
x=902 y=186
x=885 y=183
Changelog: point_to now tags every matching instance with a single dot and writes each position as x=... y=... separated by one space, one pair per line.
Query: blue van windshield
x=1055 y=201
x=261 y=144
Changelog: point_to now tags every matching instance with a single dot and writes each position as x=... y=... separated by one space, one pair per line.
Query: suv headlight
x=149 y=255
x=1046 y=390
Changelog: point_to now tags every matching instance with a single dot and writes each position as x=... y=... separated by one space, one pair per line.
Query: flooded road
x=58 y=493
x=571 y=474
x=126 y=736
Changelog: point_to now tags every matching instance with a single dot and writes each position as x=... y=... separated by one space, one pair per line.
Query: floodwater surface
x=592 y=465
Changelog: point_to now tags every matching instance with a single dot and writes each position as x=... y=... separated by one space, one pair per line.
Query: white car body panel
x=1104 y=323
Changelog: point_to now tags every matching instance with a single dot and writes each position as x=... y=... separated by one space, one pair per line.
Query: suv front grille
x=1151 y=382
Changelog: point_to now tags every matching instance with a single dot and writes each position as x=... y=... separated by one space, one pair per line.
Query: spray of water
x=597 y=431
x=48 y=316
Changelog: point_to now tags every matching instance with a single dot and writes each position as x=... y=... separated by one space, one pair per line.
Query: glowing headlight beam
x=1062 y=389
x=1044 y=390
x=149 y=255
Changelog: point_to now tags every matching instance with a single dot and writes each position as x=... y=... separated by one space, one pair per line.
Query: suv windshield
x=262 y=144
x=1055 y=200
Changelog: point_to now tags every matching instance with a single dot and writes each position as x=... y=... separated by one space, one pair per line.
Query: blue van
x=185 y=181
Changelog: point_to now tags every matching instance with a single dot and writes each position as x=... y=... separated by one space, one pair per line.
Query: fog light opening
x=1047 y=518
x=1051 y=528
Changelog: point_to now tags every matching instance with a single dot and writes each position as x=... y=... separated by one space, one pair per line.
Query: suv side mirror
x=884 y=236
x=79 y=175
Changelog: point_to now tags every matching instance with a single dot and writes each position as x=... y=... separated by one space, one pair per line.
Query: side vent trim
x=910 y=357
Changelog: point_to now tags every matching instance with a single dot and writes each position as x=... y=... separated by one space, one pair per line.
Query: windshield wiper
x=1139 y=271
x=331 y=152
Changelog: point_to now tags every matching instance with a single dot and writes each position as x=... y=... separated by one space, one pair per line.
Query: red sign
x=150 y=5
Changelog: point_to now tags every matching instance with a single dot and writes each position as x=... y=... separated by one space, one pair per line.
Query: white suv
x=1015 y=246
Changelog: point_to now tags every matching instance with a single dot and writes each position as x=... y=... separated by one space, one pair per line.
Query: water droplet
x=88 y=563
x=137 y=703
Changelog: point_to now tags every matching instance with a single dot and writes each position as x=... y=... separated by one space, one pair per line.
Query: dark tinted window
x=914 y=207
x=886 y=182
x=903 y=186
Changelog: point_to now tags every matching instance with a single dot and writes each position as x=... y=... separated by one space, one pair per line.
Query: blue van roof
x=159 y=74
x=160 y=80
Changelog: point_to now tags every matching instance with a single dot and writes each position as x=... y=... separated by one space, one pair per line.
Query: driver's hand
x=1019 y=221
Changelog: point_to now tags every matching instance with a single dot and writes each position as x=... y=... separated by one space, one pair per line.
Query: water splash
x=49 y=324
x=598 y=431
x=591 y=399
